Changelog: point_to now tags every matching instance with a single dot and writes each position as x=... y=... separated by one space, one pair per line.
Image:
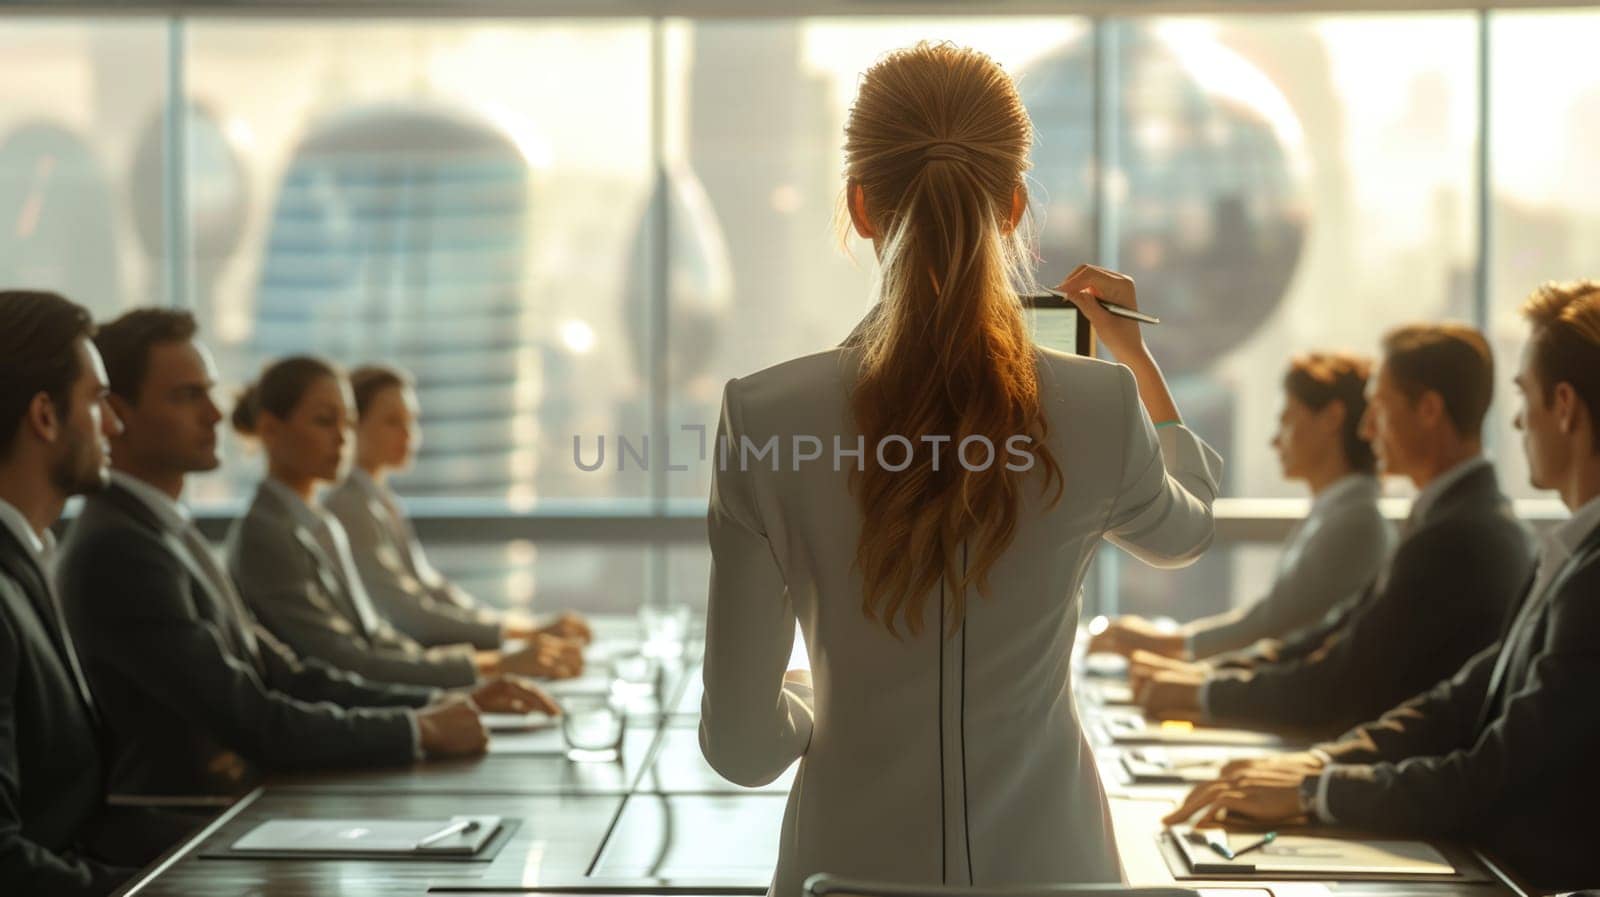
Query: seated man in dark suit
x=198 y=698
x=1444 y=595
x=1502 y=754
x=54 y=832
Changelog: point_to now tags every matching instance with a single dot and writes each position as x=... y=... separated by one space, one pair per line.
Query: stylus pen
x=1121 y=311
x=1217 y=840
x=460 y=826
x=1266 y=839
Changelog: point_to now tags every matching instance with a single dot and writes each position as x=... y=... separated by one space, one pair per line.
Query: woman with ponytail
x=925 y=501
x=292 y=559
x=407 y=589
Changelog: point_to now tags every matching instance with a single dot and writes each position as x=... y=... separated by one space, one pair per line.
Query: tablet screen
x=1057 y=324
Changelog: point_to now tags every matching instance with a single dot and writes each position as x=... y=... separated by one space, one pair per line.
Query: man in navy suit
x=1502 y=754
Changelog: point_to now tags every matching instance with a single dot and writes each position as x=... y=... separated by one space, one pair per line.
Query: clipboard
x=531 y=721
x=1130 y=727
x=587 y=685
x=1109 y=694
x=1155 y=765
x=1310 y=855
x=356 y=838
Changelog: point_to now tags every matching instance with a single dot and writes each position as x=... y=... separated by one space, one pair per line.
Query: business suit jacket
x=197 y=697
x=404 y=587
x=926 y=759
x=1508 y=762
x=52 y=784
x=308 y=599
x=1446 y=593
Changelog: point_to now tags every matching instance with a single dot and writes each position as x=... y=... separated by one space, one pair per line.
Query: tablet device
x=1058 y=324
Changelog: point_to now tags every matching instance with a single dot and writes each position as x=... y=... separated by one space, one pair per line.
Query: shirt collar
x=171 y=514
x=1564 y=540
x=1349 y=486
x=1441 y=484
x=364 y=483
x=39 y=546
x=23 y=531
x=304 y=515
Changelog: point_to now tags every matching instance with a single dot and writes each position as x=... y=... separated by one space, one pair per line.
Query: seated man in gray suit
x=198 y=698
x=1444 y=595
x=1502 y=754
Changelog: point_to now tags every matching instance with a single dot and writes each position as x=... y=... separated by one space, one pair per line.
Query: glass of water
x=634 y=676
x=592 y=727
x=666 y=628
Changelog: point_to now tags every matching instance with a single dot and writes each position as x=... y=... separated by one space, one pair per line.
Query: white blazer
x=927 y=760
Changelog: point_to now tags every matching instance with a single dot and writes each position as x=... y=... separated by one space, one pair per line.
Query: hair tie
x=945 y=151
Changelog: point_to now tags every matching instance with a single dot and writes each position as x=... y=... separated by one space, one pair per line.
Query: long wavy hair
x=938 y=143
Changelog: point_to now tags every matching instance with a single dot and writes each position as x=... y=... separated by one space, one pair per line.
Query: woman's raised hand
x=1121 y=335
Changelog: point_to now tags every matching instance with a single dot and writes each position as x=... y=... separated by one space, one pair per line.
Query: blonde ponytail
x=938 y=141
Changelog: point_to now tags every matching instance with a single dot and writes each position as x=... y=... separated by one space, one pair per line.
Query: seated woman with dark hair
x=292 y=560
x=415 y=597
x=1331 y=554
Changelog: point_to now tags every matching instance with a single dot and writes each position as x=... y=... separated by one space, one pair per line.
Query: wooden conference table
x=658 y=821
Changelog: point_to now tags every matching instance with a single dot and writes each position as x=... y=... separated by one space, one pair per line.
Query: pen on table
x=1266 y=839
x=1217 y=840
x=1121 y=311
x=459 y=827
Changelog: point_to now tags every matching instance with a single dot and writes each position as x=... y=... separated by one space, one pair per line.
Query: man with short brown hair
x=53 y=430
x=200 y=699
x=1443 y=596
x=1502 y=753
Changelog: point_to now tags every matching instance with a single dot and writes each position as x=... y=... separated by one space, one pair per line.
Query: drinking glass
x=666 y=628
x=592 y=726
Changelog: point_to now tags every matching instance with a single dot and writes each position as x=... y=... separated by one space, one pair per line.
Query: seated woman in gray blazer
x=925 y=500
x=291 y=560
x=1332 y=554
x=406 y=589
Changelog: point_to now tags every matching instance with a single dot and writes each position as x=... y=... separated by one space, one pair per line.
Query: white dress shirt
x=40 y=546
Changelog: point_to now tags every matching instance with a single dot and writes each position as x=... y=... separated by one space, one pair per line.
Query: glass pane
x=1280 y=185
x=755 y=121
x=81 y=135
x=688 y=575
x=1285 y=184
x=1544 y=111
x=441 y=197
x=1229 y=575
x=549 y=577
